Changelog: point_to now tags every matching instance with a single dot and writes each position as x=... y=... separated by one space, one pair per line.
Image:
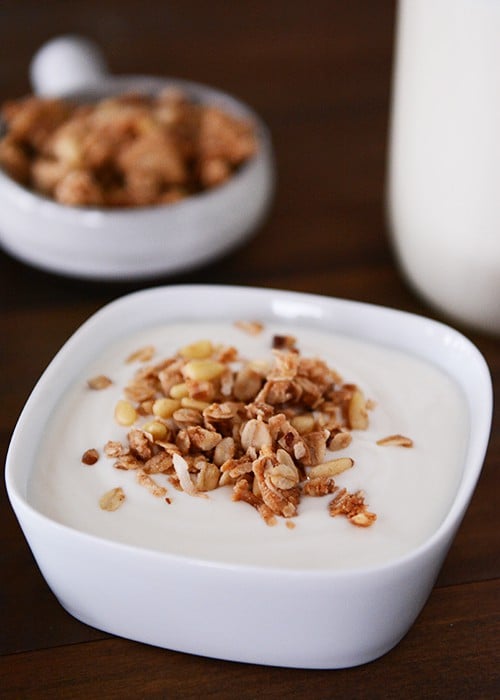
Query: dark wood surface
x=319 y=74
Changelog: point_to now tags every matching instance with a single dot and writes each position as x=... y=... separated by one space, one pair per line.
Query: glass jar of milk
x=444 y=162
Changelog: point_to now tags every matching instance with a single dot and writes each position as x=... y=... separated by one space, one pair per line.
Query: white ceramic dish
x=267 y=615
x=103 y=244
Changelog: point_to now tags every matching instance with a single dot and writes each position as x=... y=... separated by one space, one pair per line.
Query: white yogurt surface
x=410 y=490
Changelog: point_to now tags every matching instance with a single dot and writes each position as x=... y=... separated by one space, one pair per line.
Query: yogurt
x=410 y=490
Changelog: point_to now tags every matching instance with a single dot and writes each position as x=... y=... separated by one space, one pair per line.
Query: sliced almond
x=396 y=441
x=112 y=499
x=357 y=412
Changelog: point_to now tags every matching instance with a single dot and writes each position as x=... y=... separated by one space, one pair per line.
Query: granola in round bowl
x=127 y=150
x=109 y=177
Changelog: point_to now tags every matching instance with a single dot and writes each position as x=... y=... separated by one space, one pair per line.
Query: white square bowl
x=274 y=616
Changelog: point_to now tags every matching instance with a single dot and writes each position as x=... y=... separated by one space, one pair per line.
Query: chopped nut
x=157 y=430
x=247 y=383
x=250 y=327
x=282 y=342
x=339 y=440
x=165 y=407
x=90 y=457
x=99 y=382
x=237 y=467
x=286 y=366
x=226 y=479
x=208 y=477
x=315 y=444
x=125 y=413
x=187 y=416
x=140 y=443
x=304 y=423
x=332 y=467
x=224 y=450
x=145 y=408
x=142 y=355
x=280 y=501
x=255 y=434
x=188 y=402
x=363 y=519
x=112 y=499
x=225 y=354
x=283 y=457
x=201 y=370
x=169 y=377
x=199 y=350
x=357 y=412
x=182 y=441
x=179 y=391
x=203 y=439
x=284 y=476
x=396 y=440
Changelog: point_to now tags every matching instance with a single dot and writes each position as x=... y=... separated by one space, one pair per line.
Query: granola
x=112 y=499
x=99 y=382
x=207 y=418
x=125 y=151
x=90 y=457
x=396 y=440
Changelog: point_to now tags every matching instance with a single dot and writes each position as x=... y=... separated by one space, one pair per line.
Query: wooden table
x=319 y=74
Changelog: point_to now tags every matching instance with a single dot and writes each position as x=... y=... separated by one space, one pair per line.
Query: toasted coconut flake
x=182 y=471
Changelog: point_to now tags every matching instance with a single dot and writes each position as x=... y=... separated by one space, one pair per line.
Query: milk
x=410 y=490
x=444 y=167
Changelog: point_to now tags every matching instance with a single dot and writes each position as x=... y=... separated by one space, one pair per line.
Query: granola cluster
x=125 y=151
x=208 y=418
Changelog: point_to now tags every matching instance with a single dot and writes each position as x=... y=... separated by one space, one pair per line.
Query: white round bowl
x=113 y=244
x=311 y=618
